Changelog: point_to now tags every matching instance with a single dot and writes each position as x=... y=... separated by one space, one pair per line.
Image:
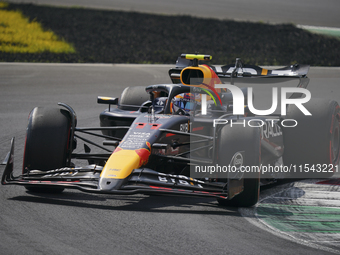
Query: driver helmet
x=186 y=101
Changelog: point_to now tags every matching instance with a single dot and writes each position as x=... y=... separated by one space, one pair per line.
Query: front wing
x=141 y=181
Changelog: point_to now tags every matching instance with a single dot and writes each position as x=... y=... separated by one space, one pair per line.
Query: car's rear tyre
x=47 y=142
x=132 y=98
x=315 y=141
x=246 y=140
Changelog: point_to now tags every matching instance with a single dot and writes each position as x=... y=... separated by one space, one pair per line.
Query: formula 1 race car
x=199 y=136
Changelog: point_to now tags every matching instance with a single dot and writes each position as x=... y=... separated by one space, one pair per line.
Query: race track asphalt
x=79 y=223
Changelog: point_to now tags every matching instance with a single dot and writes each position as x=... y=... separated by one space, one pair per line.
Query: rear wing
x=239 y=70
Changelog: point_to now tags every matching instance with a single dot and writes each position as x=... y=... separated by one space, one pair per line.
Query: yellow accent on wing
x=264 y=71
x=105 y=98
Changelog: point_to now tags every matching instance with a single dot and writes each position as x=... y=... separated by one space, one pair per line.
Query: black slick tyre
x=132 y=98
x=312 y=147
x=47 y=142
x=246 y=140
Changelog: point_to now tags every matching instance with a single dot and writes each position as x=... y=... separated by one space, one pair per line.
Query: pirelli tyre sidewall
x=132 y=98
x=315 y=141
x=247 y=141
x=47 y=140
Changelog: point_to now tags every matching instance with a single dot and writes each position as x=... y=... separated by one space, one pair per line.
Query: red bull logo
x=122 y=162
x=144 y=154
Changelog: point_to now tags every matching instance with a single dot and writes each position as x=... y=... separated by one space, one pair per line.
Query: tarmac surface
x=79 y=223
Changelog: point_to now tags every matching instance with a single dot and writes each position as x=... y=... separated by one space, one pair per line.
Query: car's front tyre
x=47 y=142
x=247 y=141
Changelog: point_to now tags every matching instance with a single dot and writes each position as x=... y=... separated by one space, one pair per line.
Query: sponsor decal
x=185 y=127
x=144 y=154
x=135 y=140
x=160 y=116
x=179 y=179
x=269 y=130
x=237 y=162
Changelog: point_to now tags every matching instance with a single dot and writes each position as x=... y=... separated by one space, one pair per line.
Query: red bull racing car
x=198 y=136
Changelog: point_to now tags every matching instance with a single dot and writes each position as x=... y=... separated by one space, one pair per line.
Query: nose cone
x=109 y=184
x=119 y=166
